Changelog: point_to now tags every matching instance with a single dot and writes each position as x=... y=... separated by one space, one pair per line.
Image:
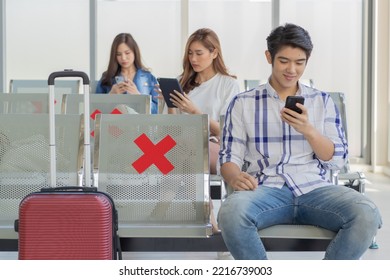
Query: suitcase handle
x=70 y=188
x=87 y=155
x=68 y=73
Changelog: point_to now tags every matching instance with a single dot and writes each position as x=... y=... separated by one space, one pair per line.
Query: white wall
x=336 y=63
x=43 y=36
x=387 y=30
x=242 y=27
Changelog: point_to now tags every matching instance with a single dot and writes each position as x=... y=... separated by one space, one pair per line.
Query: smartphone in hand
x=291 y=102
x=119 y=79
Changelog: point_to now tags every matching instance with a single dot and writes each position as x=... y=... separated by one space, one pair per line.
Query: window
x=336 y=64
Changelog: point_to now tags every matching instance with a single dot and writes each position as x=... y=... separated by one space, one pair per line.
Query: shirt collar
x=302 y=90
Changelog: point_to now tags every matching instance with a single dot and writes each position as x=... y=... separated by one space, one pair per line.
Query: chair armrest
x=352 y=176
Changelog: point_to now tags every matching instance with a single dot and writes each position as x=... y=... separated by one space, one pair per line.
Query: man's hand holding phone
x=292 y=101
x=294 y=113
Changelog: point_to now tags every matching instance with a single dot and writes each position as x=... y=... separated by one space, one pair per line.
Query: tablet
x=167 y=86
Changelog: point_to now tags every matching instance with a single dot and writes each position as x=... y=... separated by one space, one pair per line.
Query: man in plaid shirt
x=289 y=156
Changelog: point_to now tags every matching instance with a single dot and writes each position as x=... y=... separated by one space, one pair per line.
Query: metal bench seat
x=167 y=195
x=24 y=160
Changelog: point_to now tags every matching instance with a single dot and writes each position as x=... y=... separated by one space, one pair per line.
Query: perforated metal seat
x=24 y=103
x=40 y=86
x=105 y=103
x=345 y=176
x=160 y=184
x=24 y=160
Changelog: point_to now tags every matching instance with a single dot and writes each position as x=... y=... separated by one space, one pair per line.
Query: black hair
x=289 y=35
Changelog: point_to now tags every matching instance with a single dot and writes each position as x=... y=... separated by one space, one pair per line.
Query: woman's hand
x=115 y=89
x=129 y=87
x=123 y=87
x=183 y=103
x=160 y=96
x=158 y=90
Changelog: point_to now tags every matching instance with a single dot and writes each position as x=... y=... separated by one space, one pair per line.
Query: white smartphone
x=119 y=79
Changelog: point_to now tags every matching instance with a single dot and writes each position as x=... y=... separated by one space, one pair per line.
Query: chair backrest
x=308 y=82
x=339 y=100
x=156 y=168
x=24 y=103
x=24 y=157
x=41 y=86
x=249 y=84
x=105 y=103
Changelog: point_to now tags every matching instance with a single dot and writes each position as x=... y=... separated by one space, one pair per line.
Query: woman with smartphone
x=126 y=73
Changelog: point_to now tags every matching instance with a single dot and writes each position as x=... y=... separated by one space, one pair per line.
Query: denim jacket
x=144 y=80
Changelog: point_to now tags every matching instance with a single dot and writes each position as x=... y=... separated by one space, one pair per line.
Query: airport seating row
x=158 y=209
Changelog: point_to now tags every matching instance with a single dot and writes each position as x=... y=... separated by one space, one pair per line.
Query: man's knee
x=367 y=214
x=233 y=210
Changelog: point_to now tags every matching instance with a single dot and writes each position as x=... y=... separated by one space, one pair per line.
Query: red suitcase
x=68 y=223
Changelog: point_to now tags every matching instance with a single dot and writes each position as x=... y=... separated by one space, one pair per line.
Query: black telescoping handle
x=68 y=73
x=70 y=188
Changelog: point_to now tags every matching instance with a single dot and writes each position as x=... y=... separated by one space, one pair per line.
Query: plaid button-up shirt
x=277 y=154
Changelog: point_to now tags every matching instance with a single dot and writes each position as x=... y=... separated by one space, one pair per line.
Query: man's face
x=288 y=67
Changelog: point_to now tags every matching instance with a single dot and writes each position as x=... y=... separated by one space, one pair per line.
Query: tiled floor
x=377 y=188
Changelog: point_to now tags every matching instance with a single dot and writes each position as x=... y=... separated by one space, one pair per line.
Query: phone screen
x=119 y=79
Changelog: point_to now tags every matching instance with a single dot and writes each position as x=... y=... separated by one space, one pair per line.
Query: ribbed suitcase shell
x=66 y=226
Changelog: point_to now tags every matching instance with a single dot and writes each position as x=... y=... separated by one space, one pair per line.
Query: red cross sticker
x=115 y=131
x=94 y=113
x=38 y=106
x=154 y=154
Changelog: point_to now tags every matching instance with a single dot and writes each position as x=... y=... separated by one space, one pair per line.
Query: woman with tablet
x=126 y=73
x=207 y=88
x=207 y=85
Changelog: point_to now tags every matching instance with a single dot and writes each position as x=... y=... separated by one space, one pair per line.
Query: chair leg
x=374 y=245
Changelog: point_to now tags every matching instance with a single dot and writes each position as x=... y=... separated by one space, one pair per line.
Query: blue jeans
x=352 y=215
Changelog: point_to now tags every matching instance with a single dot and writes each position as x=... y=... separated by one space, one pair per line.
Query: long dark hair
x=114 y=68
x=209 y=39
